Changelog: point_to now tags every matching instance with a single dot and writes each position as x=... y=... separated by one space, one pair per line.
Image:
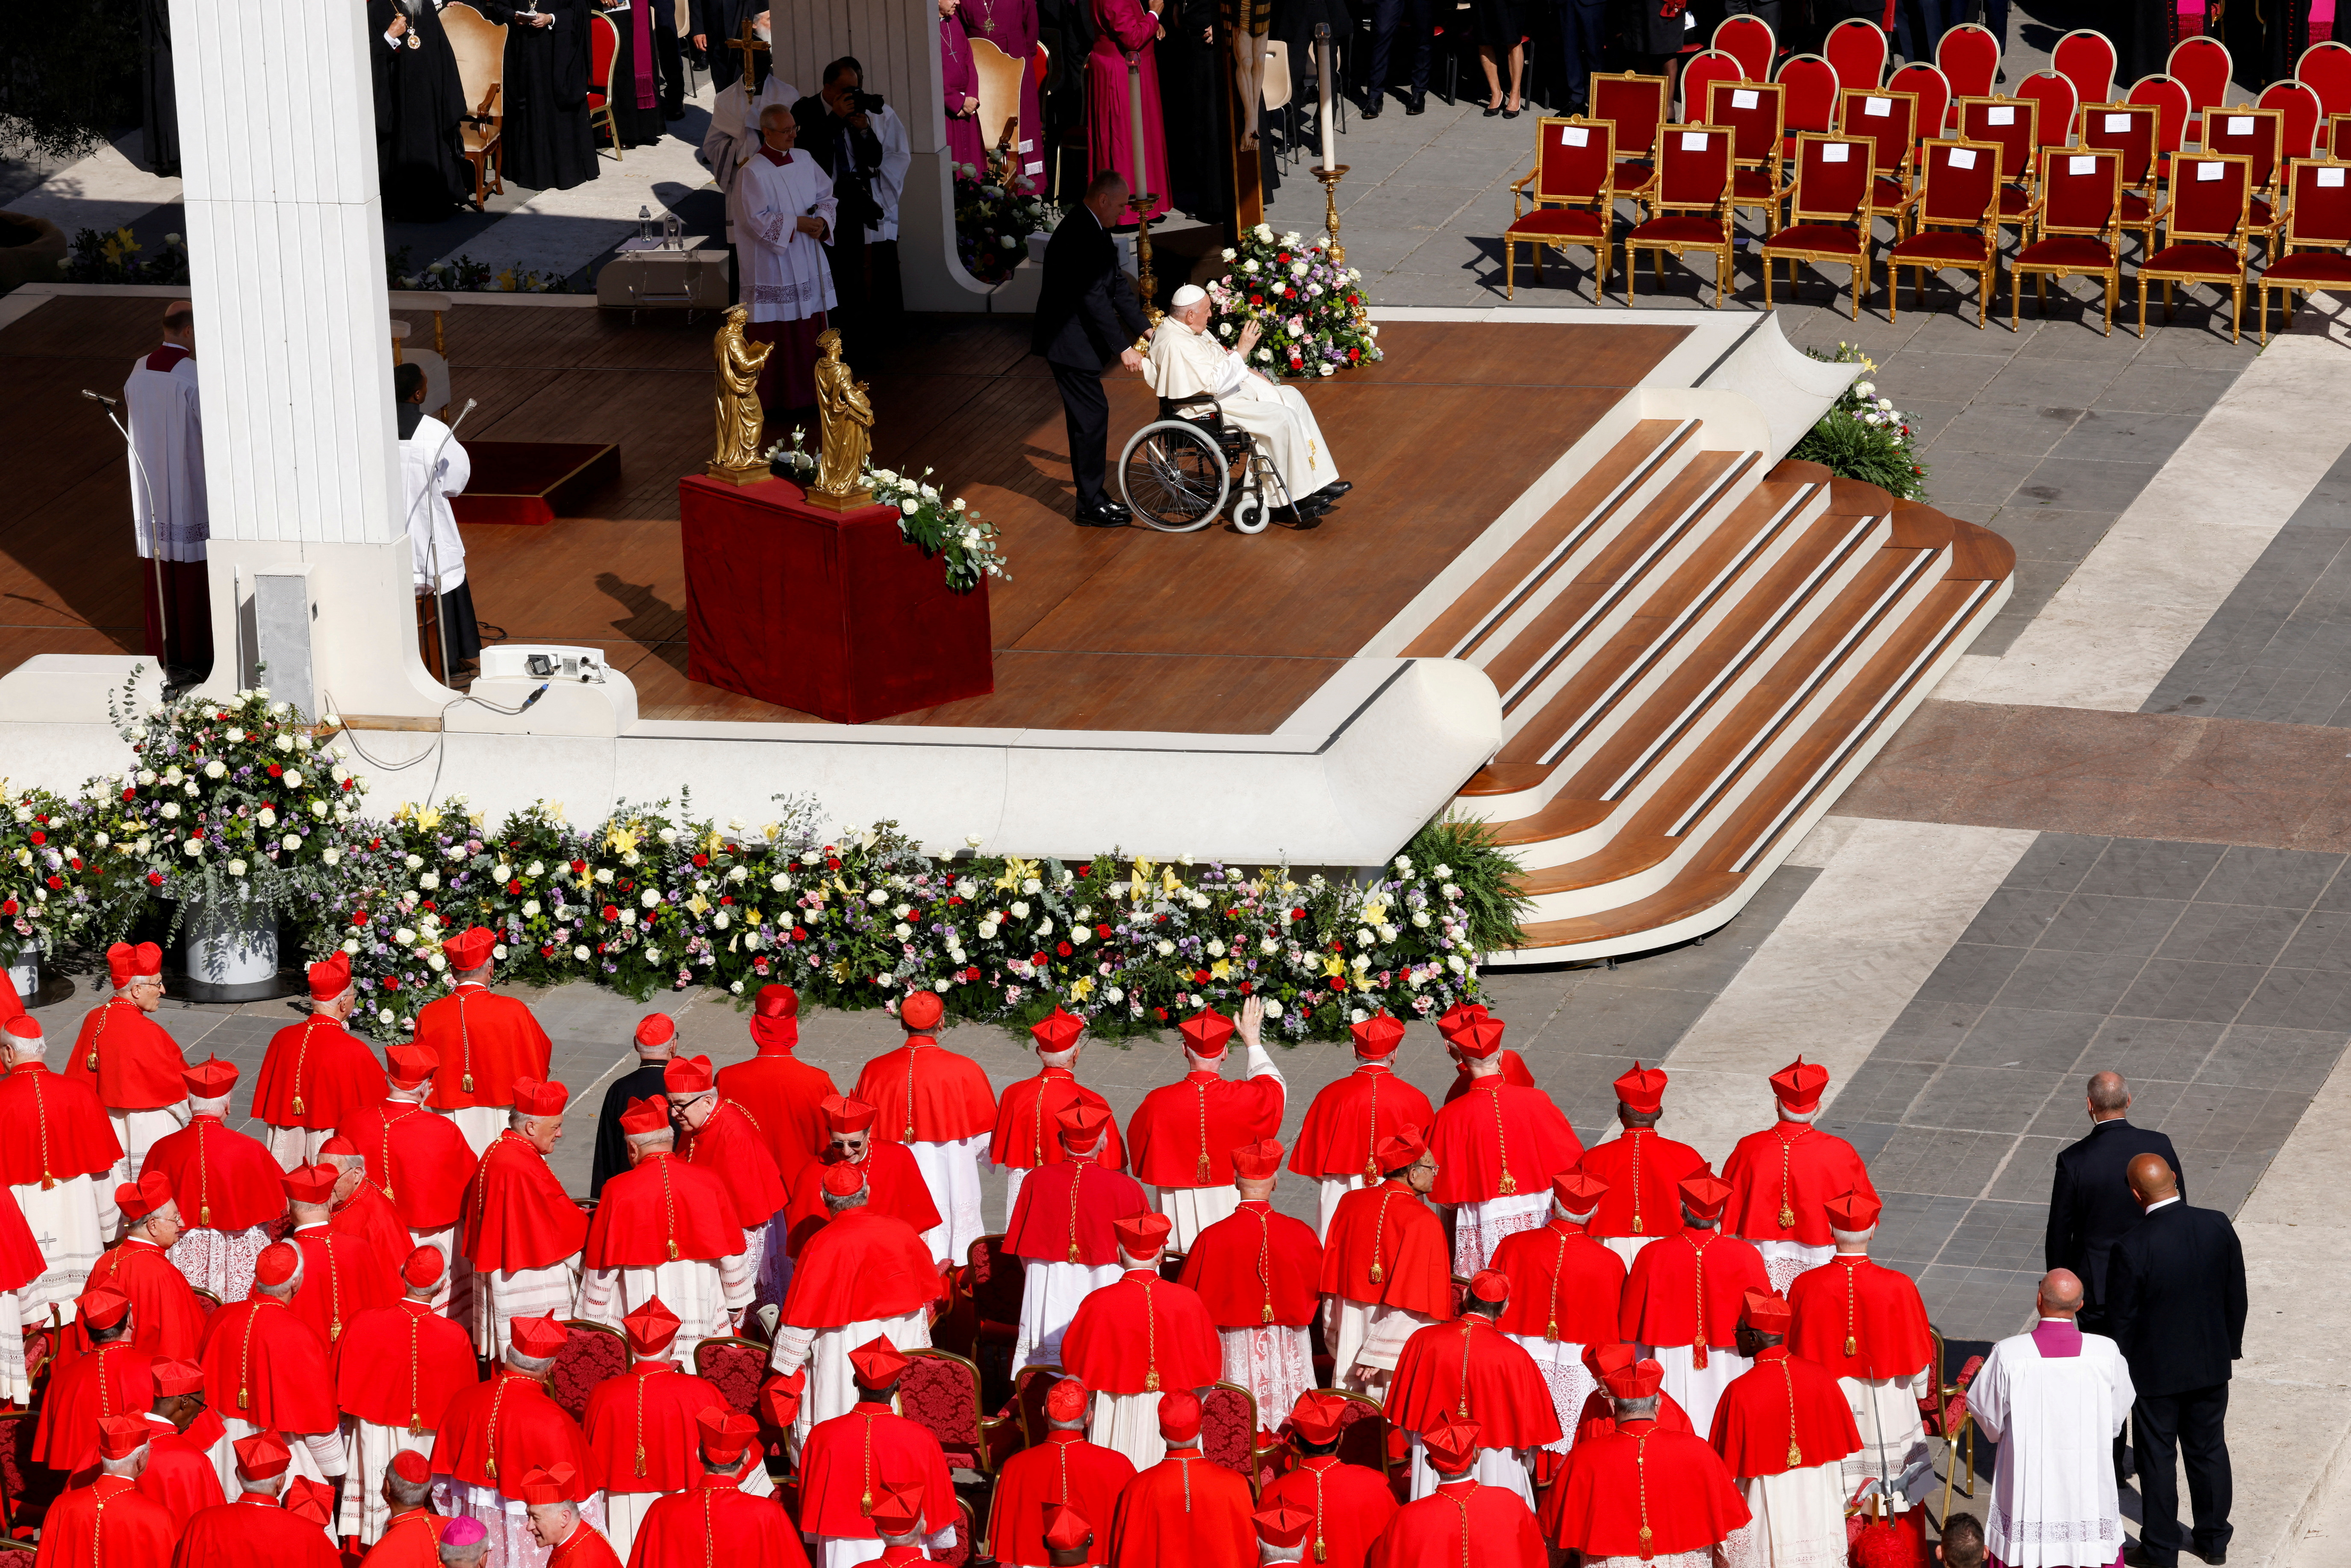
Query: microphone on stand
x=101 y=397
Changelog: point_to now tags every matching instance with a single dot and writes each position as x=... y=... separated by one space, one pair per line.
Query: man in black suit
x=2176 y=1299
x=2090 y=1204
x=1086 y=317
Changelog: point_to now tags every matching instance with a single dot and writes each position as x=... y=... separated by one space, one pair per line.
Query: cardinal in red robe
x=1468 y=1368
x=1497 y=1147
x=1660 y=1309
x=1346 y=1505
x=397 y=1368
x=666 y=1229
x=1183 y=1133
x=180 y=1473
x=360 y=1208
x=641 y=1424
x=109 y=1379
x=938 y=1104
x=1028 y=1114
x=1182 y=1509
x=1642 y=1172
x=1258 y=1273
x=165 y=1317
x=783 y=1095
x=1564 y=1288
x=715 y=1519
x=486 y=1042
x=343 y=1276
x=1866 y=1324
x=523 y=1232
x=128 y=1060
x=1598 y=1417
x=1063 y=1468
x=316 y=1074
x=1386 y=1268
x=21 y=1265
x=422 y=1162
x=493 y=1434
x=1063 y=1230
x=1782 y=1179
x=1461 y=1521
x=1135 y=1341
x=226 y=1185
x=893 y=1182
x=1784 y=1430
x=552 y=1506
x=845 y=1459
x=267 y=1370
x=1450 y=1024
x=866 y=1275
x=1642 y=1491
x=108 y=1524
x=411 y=1534
x=719 y=1137
x=57 y=1152
x=1339 y=1144
x=1071 y=1538
x=260 y=1529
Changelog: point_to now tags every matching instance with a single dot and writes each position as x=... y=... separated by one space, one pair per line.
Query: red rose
x=953 y=901
x=40 y=838
x=611 y=913
x=1102 y=932
x=579 y=868
x=428 y=903
x=726 y=898
x=1036 y=960
x=10 y=908
x=154 y=879
x=514 y=887
x=391 y=982
x=1201 y=976
x=275 y=771
x=1162 y=1013
x=346 y=783
x=1063 y=948
x=832 y=862
x=55 y=882
x=1085 y=871
x=700 y=860
x=547 y=951
x=358 y=917
x=75 y=862
x=1298 y=914
x=1338 y=982
x=799 y=934
x=130 y=794
x=1246 y=987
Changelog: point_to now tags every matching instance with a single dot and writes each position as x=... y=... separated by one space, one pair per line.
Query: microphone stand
x=432 y=542
x=162 y=605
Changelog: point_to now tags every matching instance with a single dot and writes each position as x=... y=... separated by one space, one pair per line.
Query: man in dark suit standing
x=1086 y=317
x=2176 y=1299
x=2090 y=1204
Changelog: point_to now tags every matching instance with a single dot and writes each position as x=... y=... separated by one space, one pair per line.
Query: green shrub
x=1863 y=436
x=1463 y=852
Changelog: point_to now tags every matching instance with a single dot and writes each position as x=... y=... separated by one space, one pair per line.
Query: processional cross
x=749 y=43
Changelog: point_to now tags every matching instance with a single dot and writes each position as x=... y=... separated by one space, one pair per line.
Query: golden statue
x=742 y=422
x=845 y=430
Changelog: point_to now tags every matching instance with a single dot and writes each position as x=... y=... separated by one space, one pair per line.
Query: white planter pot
x=25 y=971
x=232 y=944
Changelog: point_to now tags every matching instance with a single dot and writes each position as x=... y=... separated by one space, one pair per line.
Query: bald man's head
x=2109 y=1096
x=2060 y=1294
x=2151 y=1179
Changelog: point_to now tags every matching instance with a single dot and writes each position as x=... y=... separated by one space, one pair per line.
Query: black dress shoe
x=1103 y=515
x=2140 y=1556
x=1337 y=487
x=1415 y=106
x=1371 y=111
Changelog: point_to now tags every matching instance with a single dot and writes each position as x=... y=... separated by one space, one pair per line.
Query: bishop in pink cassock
x=1124 y=27
x=1011 y=25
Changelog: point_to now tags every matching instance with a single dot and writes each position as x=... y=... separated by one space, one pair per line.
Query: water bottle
x=645 y=224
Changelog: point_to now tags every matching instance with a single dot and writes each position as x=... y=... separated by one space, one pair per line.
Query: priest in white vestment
x=733 y=138
x=1187 y=361
x=433 y=467
x=786 y=209
x=168 y=507
x=2054 y=1400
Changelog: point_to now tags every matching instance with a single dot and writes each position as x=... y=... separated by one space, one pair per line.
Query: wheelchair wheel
x=1173 y=476
x=1251 y=513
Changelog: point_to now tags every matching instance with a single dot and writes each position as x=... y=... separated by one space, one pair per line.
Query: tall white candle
x=1135 y=110
x=1323 y=82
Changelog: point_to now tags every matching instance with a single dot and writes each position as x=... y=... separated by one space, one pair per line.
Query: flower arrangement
x=1863 y=435
x=1308 y=307
x=466 y=276
x=48 y=893
x=994 y=219
x=112 y=256
x=968 y=546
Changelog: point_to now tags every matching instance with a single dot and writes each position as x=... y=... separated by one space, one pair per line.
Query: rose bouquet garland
x=1310 y=309
x=967 y=545
x=48 y=894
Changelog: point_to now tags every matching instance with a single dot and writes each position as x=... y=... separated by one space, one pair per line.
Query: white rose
x=1032 y=885
x=1230 y=253
x=290 y=841
x=403 y=937
x=580 y=953
x=1420 y=918
x=535 y=868
x=171 y=774
x=436 y=961
x=604 y=875
x=146 y=776
x=1165 y=948
x=319 y=809
x=1269 y=946
x=293 y=779
x=266 y=818
x=1272 y=1007
x=1216 y=948
x=1248 y=267
x=722 y=920
x=902 y=931
x=103 y=841
x=987 y=930
x=215 y=769
x=878 y=895
x=497 y=950
x=529 y=908
x=383 y=1015
x=194 y=847
x=285 y=743
x=171 y=810
x=431 y=879
x=190 y=789
x=236 y=868
x=667 y=835
x=1021 y=910
x=1044 y=928
x=653 y=955
x=650 y=898
x=235 y=734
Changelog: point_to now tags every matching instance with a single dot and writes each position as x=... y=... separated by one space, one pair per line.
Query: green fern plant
x=1464 y=851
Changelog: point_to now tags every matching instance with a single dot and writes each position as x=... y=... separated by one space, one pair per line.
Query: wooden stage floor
x=1098 y=629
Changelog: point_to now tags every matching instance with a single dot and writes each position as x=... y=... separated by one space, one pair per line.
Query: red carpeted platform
x=535 y=482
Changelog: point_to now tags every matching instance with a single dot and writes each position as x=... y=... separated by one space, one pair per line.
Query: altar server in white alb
x=787 y=211
x=733 y=138
x=1186 y=360
x=2054 y=1400
x=433 y=467
x=168 y=507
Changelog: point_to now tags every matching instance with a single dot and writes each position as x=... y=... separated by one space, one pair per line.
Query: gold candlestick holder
x=1331 y=178
x=1139 y=203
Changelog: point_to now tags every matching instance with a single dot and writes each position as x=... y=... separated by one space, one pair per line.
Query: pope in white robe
x=786 y=213
x=1185 y=361
x=169 y=511
x=2054 y=1400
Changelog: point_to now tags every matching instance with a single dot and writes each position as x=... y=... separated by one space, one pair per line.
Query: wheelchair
x=1179 y=472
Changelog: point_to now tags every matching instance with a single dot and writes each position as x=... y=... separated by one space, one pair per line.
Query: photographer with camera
x=855 y=138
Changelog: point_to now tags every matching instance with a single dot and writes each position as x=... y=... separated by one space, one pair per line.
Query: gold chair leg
x=1894 y=291
x=1856 y=289
x=2114 y=285
x=2142 y=304
x=1509 y=268
x=2236 y=309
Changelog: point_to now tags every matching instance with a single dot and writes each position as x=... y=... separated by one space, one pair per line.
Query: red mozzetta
x=717 y=1522
x=1781 y=1179
x=1499 y=1139
x=316 y=1074
x=1351 y=1504
x=893 y=1184
x=402 y=1367
x=923 y=1093
x=846 y=1459
x=1466 y=1368
x=1669 y=1279
x=1348 y=1119
x=1462 y=1521
x=641 y=1425
x=1183 y=1133
x=1859 y=1320
x=1643 y=1491
x=494 y=1433
x=52 y=1129
x=518 y=1216
x=1385 y=1246
x=166 y=1320
x=110 y=1523
x=1784 y=1412
x=1564 y=1284
x=1143 y=1334
x=1255 y=1267
x=1064 y=1467
x=265 y=1366
x=1185 y=1510
x=728 y=1146
x=127 y=1059
x=485 y=1042
x=863 y=1267
x=1065 y=1213
x=419 y=1160
x=662 y=1210
x=1644 y=1173
x=223 y=1179
x=1028 y=1121
x=343 y=1276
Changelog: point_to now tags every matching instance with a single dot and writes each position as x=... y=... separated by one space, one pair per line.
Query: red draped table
x=835 y=613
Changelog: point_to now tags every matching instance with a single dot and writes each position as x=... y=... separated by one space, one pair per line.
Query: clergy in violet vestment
x=1784 y=1430
x=845 y=1462
x=1260 y=1273
x=1782 y=1179
x=642 y=1426
x=1338 y=1145
x=1463 y=1521
x=1469 y=1368
x=865 y=1276
x=636 y=100
x=1063 y=1231
x=1183 y=1133
x=718 y=1135
x=523 y=1232
x=171 y=520
x=1683 y=1298
x=1565 y=1287
x=397 y=1369
x=1642 y=1493
x=1497 y=1147
x=495 y=1434
x=1062 y=1470
x=721 y=1518
x=317 y=1073
x=665 y=1228
x=1028 y=1114
x=1125 y=39
x=1385 y=1269
x=1011 y=25
x=1182 y=1509
x=1137 y=1339
x=227 y=1183
x=130 y=1060
x=965 y=147
x=110 y=1522
x=938 y=1104
x=787 y=211
x=2054 y=1399
x=484 y=1042
x=268 y=1371
x=58 y=1155
x=1867 y=1325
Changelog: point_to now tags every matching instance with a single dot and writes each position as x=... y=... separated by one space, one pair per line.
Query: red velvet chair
x=994 y=1283
x=2130 y=130
x=1636 y=108
x=1573 y=161
x=1969 y=58
x=964 y=1547
x=591 y=1354
x=2204 y=234
x=2007 y=123
x=1028 y=1403
x=2326 y=69
x=2256 y=135
x=2053 y=122
x=1700 y=72
x=2078 y=230
x=1753 y=112
x=1888 y=121
x=1944 y=1412
x=736 y=1367
x=40 y=1350
x=1692 y=204
x=2338 y=142
x=1362 y=1431
x=2171 y=102
x=1829 y=218
x=1228 y=1430
x=1748 y=37
x=2201 y=63
x=2317 y=214
x=1857 y=47
x=1811 y=85
x=1957 y=224
x=1932 y=89
x=207 y=1303
x=603 y=51
x=2086 y=57
x=940 y=1393
x=2299 y=107
x=27 y=1489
